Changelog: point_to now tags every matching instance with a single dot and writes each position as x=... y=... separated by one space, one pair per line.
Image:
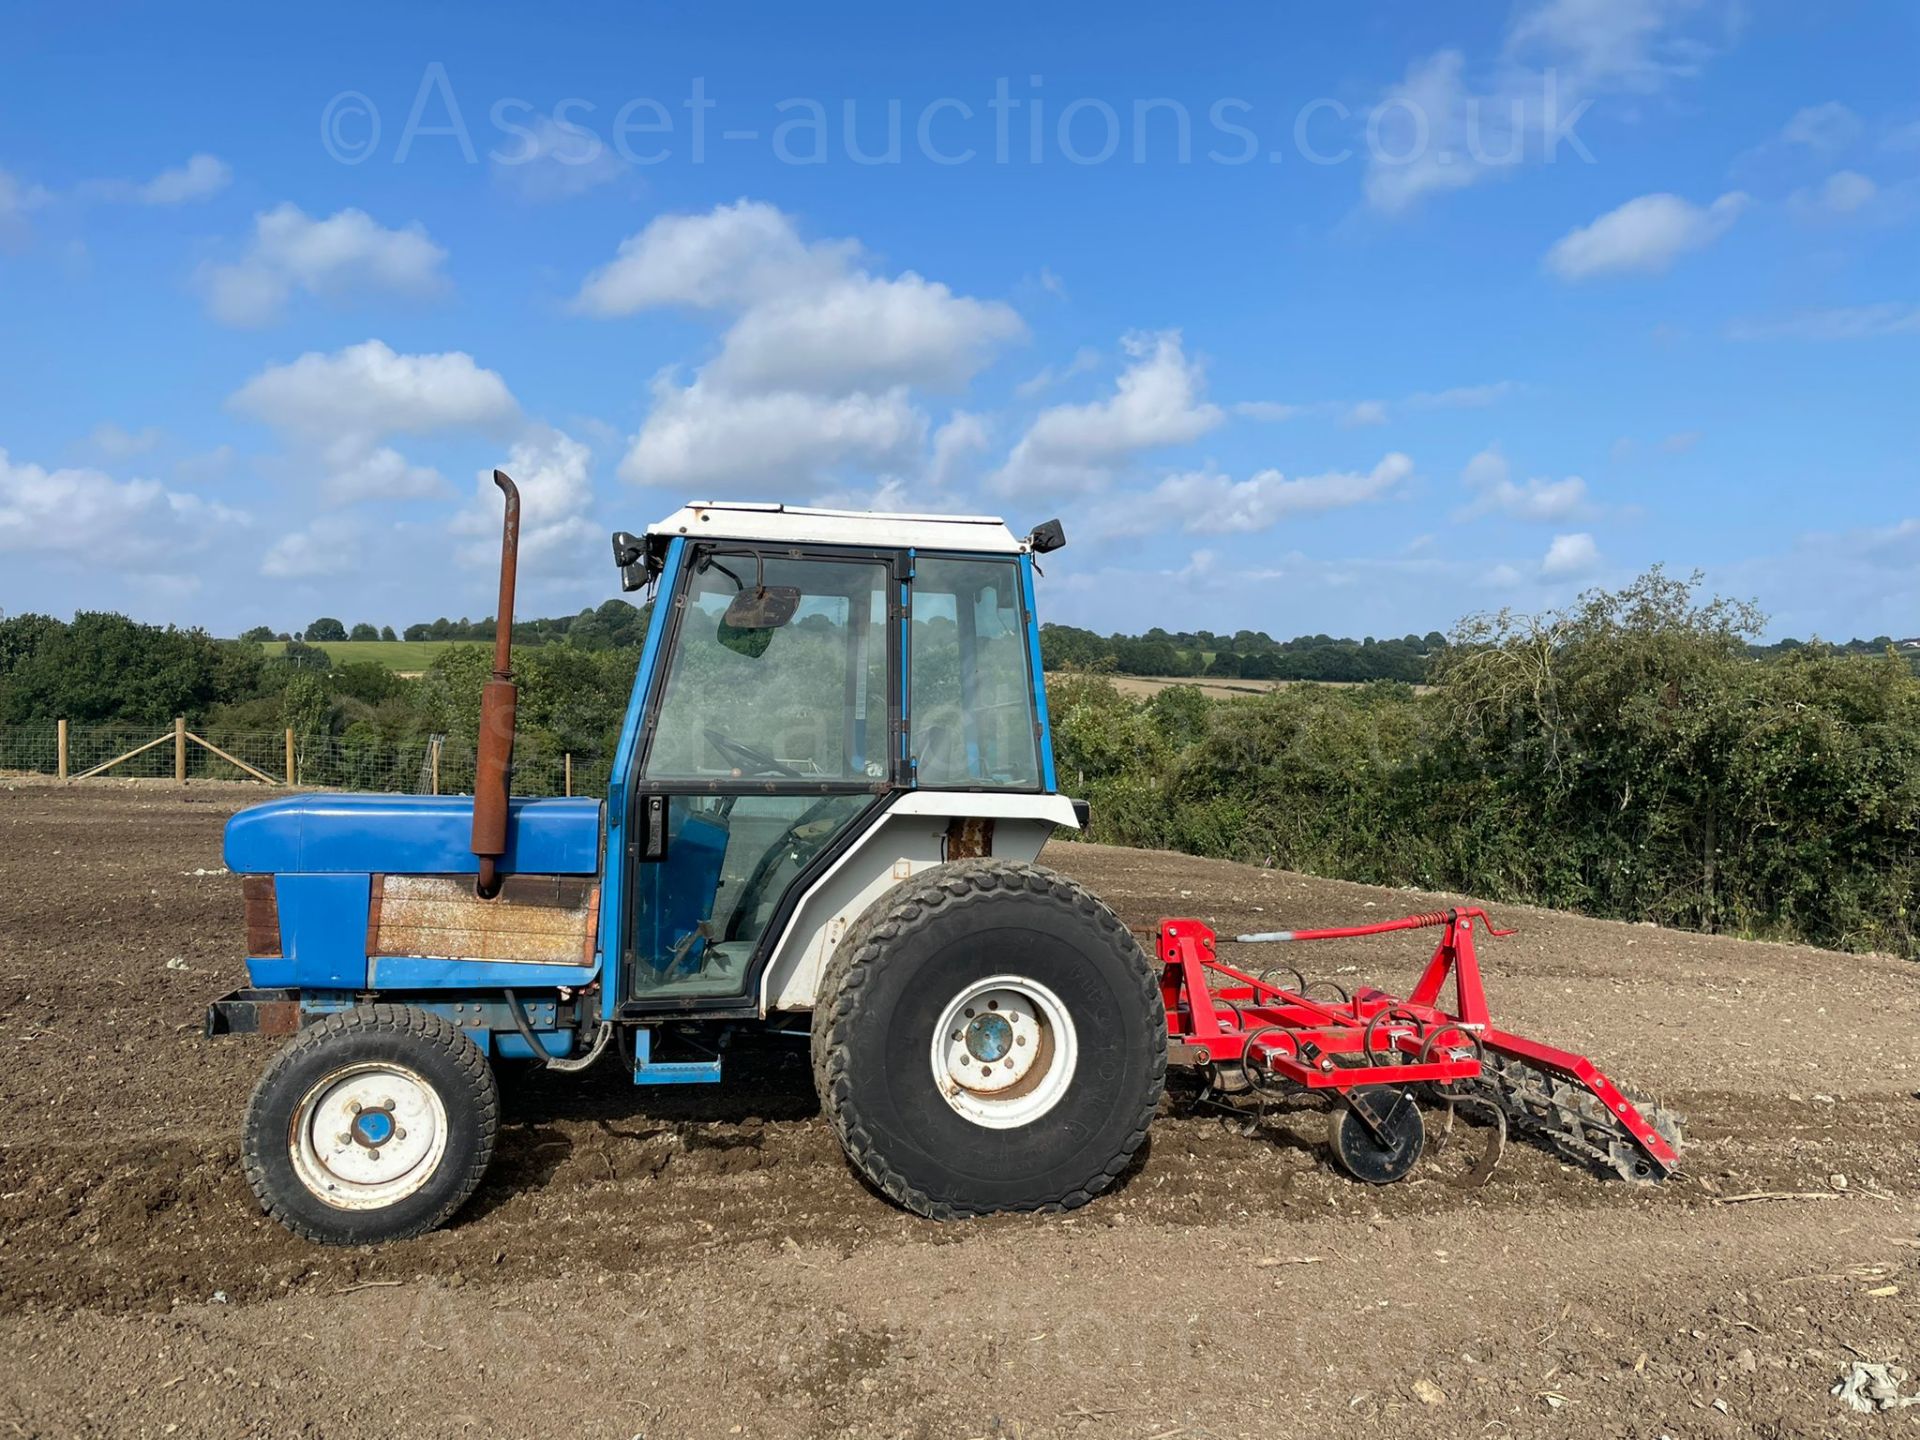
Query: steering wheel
x=750 y=760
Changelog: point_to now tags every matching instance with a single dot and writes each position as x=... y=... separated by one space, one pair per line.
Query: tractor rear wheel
x=989 y=1036
x=373 y=1124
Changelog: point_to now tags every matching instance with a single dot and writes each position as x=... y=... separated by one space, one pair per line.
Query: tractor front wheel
x=989 y=1036
x=373 y=1124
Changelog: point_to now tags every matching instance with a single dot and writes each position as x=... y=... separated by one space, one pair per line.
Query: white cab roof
x=801 y=524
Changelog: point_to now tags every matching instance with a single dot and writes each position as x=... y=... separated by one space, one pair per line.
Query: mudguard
x=408 y=835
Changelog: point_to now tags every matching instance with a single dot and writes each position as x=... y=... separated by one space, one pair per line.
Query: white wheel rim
x=368 y=1136
x=1004 y=1052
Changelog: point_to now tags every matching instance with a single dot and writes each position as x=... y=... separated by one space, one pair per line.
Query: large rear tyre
x=374 y=1124
x=989 y=1036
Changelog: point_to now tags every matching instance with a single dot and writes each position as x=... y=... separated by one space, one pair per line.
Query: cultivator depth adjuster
x=1378 y=1057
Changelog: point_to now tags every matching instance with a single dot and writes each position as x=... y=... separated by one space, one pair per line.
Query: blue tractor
x=834 y=776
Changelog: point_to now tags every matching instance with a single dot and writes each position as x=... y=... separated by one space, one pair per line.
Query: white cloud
x=1463 y=397
x=1206 y=503
x=18 y=200
x=861 y=332
x=352 y=471
x=346 y=255
x=1853 y=322
x=1603 y=44
x=201 y=176
x=554 y=475
x=1845 y=192
x=1439 y=129
x=337 y=408
x=367 y=390
x=1437 y=136
x=112 y=442
x=727 y=258
x=1569 y=557
x=1377 y=412
x=331 y=545
x=1496 y=492
x=954 y=443
x=816 y=368
x=1646 y=235
x=1827 y=127
x=1156 y=402
x=697 y=436
x=88 y=512
x=1084 y=359
x=554 y=159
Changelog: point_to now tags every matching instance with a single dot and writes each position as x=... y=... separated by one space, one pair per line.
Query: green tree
x=326 y=628
x=361 y=631
x=258 y=634
x=306 y=705
x=105 y=667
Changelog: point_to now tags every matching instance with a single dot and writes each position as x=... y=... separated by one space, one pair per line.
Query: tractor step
x=649 y=1071
x=1253 y=1039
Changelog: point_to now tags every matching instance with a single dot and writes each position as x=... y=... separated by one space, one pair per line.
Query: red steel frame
x=1223 y=1015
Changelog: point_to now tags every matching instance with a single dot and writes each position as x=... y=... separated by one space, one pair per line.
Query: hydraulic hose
x=538 y=1047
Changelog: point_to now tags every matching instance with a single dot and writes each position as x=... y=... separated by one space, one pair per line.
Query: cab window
x=778 y=672
x=970 y=691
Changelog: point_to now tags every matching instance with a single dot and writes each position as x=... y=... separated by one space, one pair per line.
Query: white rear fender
x=919 y=829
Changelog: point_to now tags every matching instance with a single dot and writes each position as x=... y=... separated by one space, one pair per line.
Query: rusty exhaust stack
x=493 y=764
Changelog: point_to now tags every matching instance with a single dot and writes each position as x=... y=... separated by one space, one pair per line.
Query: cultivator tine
x=1492 y=1149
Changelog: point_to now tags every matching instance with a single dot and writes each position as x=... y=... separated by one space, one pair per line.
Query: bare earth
x=701 y=1263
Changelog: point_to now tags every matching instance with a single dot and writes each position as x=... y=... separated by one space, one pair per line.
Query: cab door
x=771 y=736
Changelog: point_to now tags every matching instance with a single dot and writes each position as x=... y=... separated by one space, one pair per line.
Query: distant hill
x=405 y=657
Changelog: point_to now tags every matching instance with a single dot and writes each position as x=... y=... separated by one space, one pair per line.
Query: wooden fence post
x=290 y=775
x=61 y=729
x=180 y=749
x=434 y=746
x=569 y=773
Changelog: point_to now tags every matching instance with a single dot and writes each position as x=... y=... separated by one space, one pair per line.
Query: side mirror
x=638 y=562
x=1047 y=536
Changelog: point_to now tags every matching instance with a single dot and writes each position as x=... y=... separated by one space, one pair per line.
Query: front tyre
x=374 y=1124
x=989 y=1036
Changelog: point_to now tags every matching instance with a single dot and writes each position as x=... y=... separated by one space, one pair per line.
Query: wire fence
x=411 y=765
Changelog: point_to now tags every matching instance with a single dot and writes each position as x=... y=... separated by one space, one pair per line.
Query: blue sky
x=1430 y=309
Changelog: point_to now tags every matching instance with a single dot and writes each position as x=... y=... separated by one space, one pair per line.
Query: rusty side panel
x=262 y=916
x=969 y=838
x=548 y=919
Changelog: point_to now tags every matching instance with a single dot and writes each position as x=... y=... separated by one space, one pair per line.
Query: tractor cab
x=803 y=668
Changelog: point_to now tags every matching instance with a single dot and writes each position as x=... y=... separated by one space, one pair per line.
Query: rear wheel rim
x=1005 y=1052
x=367 y=1136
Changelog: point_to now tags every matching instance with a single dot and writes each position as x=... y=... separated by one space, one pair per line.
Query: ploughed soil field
x=700 y=1261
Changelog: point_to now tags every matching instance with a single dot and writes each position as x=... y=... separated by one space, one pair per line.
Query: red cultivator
x=1253 y=1041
